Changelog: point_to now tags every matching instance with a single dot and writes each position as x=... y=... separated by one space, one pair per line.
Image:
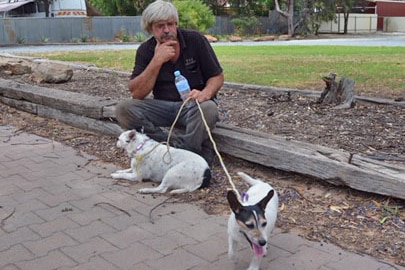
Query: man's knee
x=124 y=113
x=121 y=109
x=210 y=110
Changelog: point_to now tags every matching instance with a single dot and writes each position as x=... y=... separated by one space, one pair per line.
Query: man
x=169 y=49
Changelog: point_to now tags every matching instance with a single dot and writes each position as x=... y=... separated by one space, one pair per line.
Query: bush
x=245 y=25
x=20 y=40
x=140 y=37
x=194 y=14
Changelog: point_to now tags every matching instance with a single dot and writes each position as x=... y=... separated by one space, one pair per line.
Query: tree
x=286 y=9
x=194 y=14
x=320 y=11
x=46 y=6
x=250 y=7
x=345 y=6
x=309 y=14
x=91 y=10
x=120 y=7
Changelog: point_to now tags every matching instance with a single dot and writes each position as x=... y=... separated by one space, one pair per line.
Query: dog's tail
x=206 y=179
x=251 y=181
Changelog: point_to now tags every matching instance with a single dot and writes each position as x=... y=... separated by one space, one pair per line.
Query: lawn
x=376 y=70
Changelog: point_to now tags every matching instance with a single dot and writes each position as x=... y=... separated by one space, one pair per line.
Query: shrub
x=245 y=25
x=20 y=40
x=84 y=38
x=44 y=39
x=140 y=37
x=194 y=14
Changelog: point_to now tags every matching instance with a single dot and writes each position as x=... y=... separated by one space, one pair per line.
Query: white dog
x=253 y=219
x=176 y=169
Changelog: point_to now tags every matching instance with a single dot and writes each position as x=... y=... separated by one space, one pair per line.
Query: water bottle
x=182 y=86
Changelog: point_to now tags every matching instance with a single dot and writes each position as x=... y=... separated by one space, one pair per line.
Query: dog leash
x=212 y=141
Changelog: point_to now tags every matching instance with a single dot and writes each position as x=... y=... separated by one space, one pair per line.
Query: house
x=35 y=8
x=391 y=15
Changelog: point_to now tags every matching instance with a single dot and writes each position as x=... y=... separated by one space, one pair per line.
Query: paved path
x=59 y=209
x=365 y=40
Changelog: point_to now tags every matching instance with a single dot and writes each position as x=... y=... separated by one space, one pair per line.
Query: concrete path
x=364 y=40
x=59 y=209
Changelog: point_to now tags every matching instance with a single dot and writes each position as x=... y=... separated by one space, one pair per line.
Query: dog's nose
x=262 y=242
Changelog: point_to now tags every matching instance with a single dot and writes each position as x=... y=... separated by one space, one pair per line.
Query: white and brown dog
x=253 y=219
x=176 y=169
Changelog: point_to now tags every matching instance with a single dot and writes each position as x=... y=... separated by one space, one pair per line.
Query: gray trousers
x=150 y=115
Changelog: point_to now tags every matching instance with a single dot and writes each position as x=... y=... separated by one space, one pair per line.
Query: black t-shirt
x=197 y=62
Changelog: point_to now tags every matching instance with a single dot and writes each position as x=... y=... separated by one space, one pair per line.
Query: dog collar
x=139 y=147
x=245 y=197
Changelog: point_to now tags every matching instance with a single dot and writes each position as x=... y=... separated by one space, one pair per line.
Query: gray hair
x=158 y=11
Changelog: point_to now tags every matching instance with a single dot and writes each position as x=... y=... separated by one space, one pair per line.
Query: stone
x=51 y=73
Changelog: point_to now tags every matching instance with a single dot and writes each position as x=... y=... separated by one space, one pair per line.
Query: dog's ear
x=233 y=201
x=262 y=204
x=132 y=135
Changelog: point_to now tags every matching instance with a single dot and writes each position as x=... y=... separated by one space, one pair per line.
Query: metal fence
x=40 y=30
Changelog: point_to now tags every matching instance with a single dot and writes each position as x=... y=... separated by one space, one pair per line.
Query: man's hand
x=165 y=51
x=211 y=89
x=200 y=96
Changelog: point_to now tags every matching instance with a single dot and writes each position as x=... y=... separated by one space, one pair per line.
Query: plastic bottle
x=182 y=86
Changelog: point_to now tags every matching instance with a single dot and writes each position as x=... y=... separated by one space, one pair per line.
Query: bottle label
x=182 y=86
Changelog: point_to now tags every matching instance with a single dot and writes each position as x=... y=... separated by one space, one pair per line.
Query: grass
x=376 y=70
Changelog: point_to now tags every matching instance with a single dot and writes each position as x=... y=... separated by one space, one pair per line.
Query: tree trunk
x=91 y=10
x=346 y=16
x=46 y=7
x=342 y=94
x=288 y=14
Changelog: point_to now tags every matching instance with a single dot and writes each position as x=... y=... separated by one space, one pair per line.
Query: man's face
x=165 y=30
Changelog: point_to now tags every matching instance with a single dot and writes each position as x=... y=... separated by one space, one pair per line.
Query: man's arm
x=142 y=85
x=210 y=90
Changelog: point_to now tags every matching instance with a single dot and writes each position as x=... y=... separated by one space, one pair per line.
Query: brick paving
x=59 y=209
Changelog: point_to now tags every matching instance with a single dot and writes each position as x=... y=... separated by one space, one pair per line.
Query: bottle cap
x=177 y=73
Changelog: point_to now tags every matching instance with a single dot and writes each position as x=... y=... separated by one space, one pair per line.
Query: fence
x=37 y=30
x=357 y=23
x=393 y=24
x=40 y=30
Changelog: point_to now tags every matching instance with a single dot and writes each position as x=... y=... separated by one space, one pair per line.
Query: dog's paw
x=116 y=175
x=147 y=190
x=157 y=189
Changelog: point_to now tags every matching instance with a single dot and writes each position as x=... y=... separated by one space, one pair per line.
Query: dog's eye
x=250 y=225
x=127 y=141
x=264 y=224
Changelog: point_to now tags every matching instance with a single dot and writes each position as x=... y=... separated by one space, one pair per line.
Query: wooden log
x=333 y=166
x=20 y=104
x=67 y=101
x=99 y=126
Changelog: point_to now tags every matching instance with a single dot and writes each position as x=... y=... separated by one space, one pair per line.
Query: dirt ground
x=354 y=220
